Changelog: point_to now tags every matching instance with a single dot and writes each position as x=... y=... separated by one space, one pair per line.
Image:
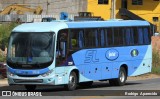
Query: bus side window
x=116 y=36
x=102 y=38
x=81 y=39
x=121 y=36
x=77 y=39
x=132 y=37
x=127 y=36
x=91 y=38
x=106 y=37
x=140 y=35
x=146 y=35
x=110 y=37
x=135 y=33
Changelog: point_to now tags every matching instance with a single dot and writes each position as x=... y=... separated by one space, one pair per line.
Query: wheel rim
x=122 y=76
x=72 y=81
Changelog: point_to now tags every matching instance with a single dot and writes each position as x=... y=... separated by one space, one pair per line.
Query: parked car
x=3 y=70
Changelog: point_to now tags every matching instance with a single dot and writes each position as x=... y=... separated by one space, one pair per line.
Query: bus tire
x=30 y=87
x=72 y=84
x=86 y=84
x=121 y=80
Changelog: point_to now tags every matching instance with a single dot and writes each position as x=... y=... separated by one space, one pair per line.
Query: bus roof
x=58 y=25
x=110 y=23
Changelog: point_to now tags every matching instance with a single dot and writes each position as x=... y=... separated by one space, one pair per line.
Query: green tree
x=5 y=30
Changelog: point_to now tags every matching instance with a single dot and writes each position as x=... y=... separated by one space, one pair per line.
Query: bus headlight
x=10 y=74
x=48 y=73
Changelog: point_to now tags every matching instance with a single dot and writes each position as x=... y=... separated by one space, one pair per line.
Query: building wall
x=52 y=7
x=99 y=10
x=147 y=11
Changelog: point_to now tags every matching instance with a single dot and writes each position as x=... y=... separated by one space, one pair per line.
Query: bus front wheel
x=121 y=80
x=72 y=84
x=30 y=87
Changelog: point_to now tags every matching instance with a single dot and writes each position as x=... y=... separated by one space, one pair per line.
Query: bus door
x=61 y=56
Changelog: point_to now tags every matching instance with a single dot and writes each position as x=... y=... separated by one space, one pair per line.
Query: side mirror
x=2 y=47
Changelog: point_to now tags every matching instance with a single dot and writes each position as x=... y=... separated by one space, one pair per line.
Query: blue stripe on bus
x=28 y=72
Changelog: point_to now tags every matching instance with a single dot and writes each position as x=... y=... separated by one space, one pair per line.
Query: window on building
x=137 y=2
x=103 y=1
x=155 y=19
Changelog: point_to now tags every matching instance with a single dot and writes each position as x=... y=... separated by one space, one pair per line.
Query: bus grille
x=28 y=81
x=28 y=75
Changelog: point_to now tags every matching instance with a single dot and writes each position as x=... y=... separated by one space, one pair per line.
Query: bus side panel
x=144 y=67
x=145 y=63
x=93 y=71
x=59 y=75
x=107 y=69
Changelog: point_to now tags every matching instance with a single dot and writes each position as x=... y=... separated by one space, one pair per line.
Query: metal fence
x=28 y=18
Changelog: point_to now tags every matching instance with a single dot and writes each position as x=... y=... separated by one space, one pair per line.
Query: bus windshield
x=31 y=48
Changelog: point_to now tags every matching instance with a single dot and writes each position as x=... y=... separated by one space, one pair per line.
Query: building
x=127 y=9
x=50 y=6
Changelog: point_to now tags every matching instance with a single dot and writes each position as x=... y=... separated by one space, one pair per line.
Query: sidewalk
x=144 y=77
x=3 y=82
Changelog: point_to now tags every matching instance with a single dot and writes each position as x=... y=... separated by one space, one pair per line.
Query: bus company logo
x=112 y=54
x=134 y=53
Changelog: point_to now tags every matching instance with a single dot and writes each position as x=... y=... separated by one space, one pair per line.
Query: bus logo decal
x=134 y=53
x=112 y=54
x=91 y=57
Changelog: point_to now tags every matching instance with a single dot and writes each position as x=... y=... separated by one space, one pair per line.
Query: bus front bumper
x=16 y=80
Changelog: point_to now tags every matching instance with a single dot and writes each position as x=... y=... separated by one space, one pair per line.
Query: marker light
x=10 y=74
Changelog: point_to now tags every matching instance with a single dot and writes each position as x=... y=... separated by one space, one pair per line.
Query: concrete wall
x=54 y=6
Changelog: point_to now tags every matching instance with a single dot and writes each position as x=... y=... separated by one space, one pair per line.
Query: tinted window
x=77 y=38
x=91 y=38
x=110 y=36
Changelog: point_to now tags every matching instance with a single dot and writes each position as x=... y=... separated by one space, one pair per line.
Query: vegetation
x=5 y=30
x=155 y=61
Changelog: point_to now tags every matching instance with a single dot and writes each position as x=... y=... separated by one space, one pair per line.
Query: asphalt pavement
x=99 y=90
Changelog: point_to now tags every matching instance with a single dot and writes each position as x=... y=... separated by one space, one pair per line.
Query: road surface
x=99 y=90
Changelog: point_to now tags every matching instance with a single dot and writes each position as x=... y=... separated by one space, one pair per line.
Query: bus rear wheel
x=30 y=87
x=121 y=80
x=72 y=84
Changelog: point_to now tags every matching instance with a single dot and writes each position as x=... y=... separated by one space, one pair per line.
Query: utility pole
x=113 y=8
x=47 y=6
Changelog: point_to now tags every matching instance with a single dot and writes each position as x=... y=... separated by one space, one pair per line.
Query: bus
x=77 y=53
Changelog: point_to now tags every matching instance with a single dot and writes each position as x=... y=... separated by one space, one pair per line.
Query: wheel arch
x=125 y=66
x=77 y=73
